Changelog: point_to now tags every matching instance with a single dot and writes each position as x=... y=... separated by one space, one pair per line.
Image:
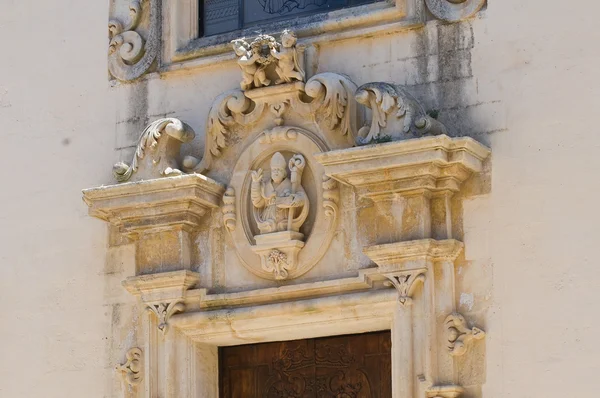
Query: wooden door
x=352 y=366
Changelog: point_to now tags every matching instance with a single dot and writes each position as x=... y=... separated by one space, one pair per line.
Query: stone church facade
x=299 y=199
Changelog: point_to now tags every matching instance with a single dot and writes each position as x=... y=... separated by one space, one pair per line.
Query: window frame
x=183 y=48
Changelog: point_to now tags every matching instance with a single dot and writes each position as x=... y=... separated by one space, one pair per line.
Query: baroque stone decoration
x=279 y=172
x=454 y=10
x=405 y=284
x=330 y=107
x=229 y=209
x=396 y=114
x=265 y=62
x=280 y=209
x=459 y=334
x=163 y=312
x=132 y=371
x=161 y=140
x=129 y=54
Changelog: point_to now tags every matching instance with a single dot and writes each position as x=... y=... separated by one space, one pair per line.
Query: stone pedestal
x=278 y=251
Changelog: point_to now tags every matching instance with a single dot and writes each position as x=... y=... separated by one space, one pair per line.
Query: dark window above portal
x=220 y=16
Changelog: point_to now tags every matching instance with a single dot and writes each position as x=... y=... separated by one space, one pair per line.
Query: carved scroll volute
x=333 y=103
x=132 y=371
x=454 y=10
x=229 y=214
x=157 y=152
x=129 y=55
x=396 y=114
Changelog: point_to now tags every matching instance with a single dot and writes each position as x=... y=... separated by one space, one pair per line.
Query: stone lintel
x=318 y=317
x=384 y=171
x=405 y=256
x=163 y=287
x=155 y=205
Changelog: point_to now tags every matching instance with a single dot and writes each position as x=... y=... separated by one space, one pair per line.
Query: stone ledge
x=161 y=287
x=157 y=204
x=383 y=171
x=396 y=256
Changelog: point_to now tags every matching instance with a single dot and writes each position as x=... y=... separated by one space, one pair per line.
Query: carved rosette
x=163 y=312
x=454 y=10
x=459 y=334
x=132 y=371
x=129 y=55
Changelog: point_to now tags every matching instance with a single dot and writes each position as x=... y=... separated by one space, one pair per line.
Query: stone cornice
x=395 y=256
x=168 y=202
x=162 y=286
x=434 y=164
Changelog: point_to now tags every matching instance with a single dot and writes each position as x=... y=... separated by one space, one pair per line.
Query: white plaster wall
x=57 y=121
x=523 y=78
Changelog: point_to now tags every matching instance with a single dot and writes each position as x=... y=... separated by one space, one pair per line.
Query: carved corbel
x=161 y=140
x=454 y=10
x=132 y=371
x=129 y=55
x=163 y=312
x=459 y=334
x=405 y=283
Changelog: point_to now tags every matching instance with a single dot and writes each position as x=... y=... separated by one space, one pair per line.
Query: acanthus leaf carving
x=396 y=114
x=333 y=93
x=405 y=283
x=162 y=140
x=163 y=312
x=459 y=335
x=129 y=55
x=229 y=216
x=221 y=118
x=132 y=371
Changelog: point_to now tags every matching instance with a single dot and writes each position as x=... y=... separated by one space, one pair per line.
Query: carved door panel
x=353 y=366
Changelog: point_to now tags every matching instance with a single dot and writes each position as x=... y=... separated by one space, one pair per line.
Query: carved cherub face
x=288 y=39
x=278 y=174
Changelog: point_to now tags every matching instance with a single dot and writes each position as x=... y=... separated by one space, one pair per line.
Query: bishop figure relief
x=280 y=207
x=280 y=204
